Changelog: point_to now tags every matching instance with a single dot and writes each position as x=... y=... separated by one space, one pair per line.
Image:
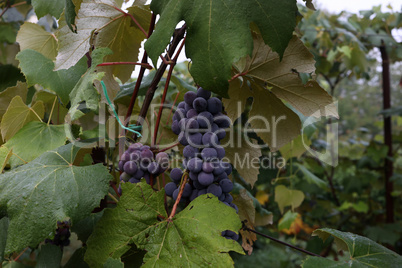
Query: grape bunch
x=200 y=125
x=138 y=162
x=62 y=236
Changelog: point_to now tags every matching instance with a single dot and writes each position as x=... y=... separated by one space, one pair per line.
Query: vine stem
x=169 y=76
x=283 y=243
x=170 y=147
x=135 y=21
x=146 y=65
x=184 y=181
x=114 y=198
x=19 y=255
x=177 y=37
x=237 y=75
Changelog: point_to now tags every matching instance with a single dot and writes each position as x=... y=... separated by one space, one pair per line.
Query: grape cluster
x=200 y=125
x=62 y=236
x=138 y=162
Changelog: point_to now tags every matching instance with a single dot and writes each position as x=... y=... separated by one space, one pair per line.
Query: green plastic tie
x=131 y=128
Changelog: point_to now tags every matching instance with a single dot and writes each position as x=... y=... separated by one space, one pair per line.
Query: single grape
x=200 y=104
x=176 y=174
x=190 y=151
x=222 y=197
x=202 y=191
x=214 y=105
x=175 y=194
x=228 y=198
x=183 y=138
x=205 y=178
x=221 y=133
x=195 y=140
x=189 y=97
x=192 y=124
x=130 y=167
x=227 y=167
x=210 y=139
x=191 y=113
x=218 y=169
x=135 y=156
x=153 y=168
x=226 y=185
x=139 y=174
x=179 y=114
x=194 y=165
x=121 y=165
x=198 y=185
x=170 y=188
x=222 y=120
x=162 y=159
x=209 y=154
x=194 y=194
x=147 y=154
x=125 y=157
x=187 y=190
x=207 y=167
x=220 y=151
x=203 y=93
x=221 y=176
x=235 y=207
x=187 y=107
x=145 y=147
x=181 y=105
x=193 y=176
x=214 y=189
x=175 y=127
x=205 y=119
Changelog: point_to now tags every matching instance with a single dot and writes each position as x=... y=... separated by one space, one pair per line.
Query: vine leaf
x=49 y=255
x=363 y=251
x=47 y=190
x=19 y=114
x=193 y=236
x=296 y=147
x=282 y=79
x=3 y=236
x=285 y=197
x=44 y=7
x=84 y=95
x=218 y=33
x=5 y=155
x=33 y=36
x=34 y=139
x=8 y=94
x=270 y=119
x=113 y=29
x=241 y=155
x=39 y=70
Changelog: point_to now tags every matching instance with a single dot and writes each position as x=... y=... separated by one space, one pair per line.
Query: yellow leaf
x=262 y=197
x=8 y=94
x=18 y=114
x=285 y=197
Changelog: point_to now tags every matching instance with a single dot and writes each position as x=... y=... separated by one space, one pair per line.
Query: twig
x=146 y=65
x=114 y=198
x=237 y=75
x=135 y=21
x=283 y=243
x=19 y=255
x=184 y=181
x=170 y=147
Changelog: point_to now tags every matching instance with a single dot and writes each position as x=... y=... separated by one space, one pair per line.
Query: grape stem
x=237 y=75
x=170 y=147
x=146 y=65
x=184 y=181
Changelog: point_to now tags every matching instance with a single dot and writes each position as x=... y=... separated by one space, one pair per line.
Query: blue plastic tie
x=131 y=128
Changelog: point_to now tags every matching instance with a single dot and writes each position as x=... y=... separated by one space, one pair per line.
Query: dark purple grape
x=139 y=174
x=183 y=138
x=189 y=97
x=179 y=114
x=181 y=105
x=190 y=151
x=203 y=93
x=135 y=156
x=200 y=104
x=214 y=105
x=218 y=169
x=135 y=146
x=227 y=167
x=226 y=185
x=207 y=167
x=235 y=207
x=162 y=159
x=228 y=198
x=198 y=185
x=209 y=154
x=130 y=167
x=187 y=107
x=222 y=120
x=220 y=177
x=121 y=165
x=145 y=147
x=210 y=139
x=125 y=177
x=153 y=168
x=214 y=189
x=175 y=194
x=195 y=140
x=147 y=154
x=194 y=165
x=192 y=113
x=187 y=190
x=205 y=120
x=170 y=188
x=125 y=157
x=222 y=197
x=202 y=191
x=192 y=124
x=134 y=180
x=194 y=194
x=220 y=151
x=193 y=176
x=176 y=175
x=205 y=178
x=221 y=133
x=175 y=127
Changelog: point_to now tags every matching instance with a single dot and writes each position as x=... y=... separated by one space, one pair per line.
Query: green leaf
x=49 y=256
x=47 y=190
x=5 y=155
x=19 y=114
x=84 y=228
x=34 y=139
x=7 y=33
x=77 y=259
x=70 y=15
x=113 y=263
x=3 y=236
x=44 y=7
x=282 y=78
x=363 y=251
x=296 y=147
x=84 y=95
x=218 y=33
x=359 y=206
x=285 y=197
x=271 y=120
x=9 y=75
x=287 y=220
x=33 y=36
x=7 y=95
x=314 y=262
x=244 y=154
x=191 y=237
x=310 y=177
x=39 y=70
x=114 y=30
